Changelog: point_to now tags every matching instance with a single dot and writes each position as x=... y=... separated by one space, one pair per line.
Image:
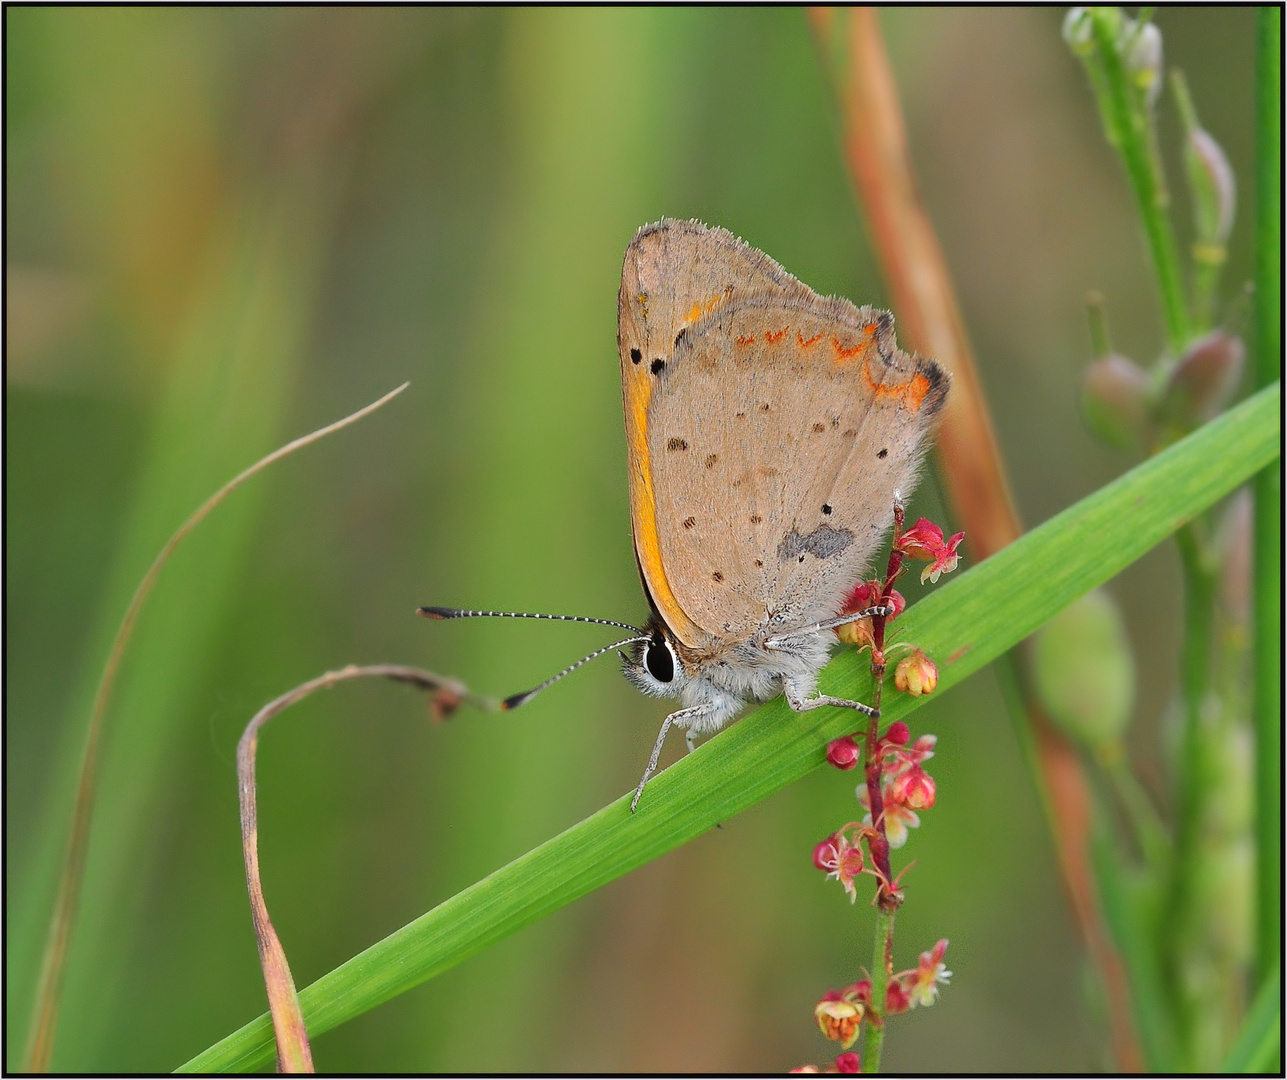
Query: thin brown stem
x=44 y=1019
x=293 y=1052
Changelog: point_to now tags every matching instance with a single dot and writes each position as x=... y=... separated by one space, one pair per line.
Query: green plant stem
x=1130 y=129
x=882 y=967
x=1267 y=537
x=1150 y=833
x=1197 y=670
x=1197 y=772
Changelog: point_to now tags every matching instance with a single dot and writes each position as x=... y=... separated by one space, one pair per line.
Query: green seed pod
x=1084 y=671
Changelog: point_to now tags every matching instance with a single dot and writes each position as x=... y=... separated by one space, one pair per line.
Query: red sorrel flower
x=842 y=858
x=914 y=789
x=843 y=753
x=898 y=734
x=896 y=999
x=838 y=1019
x=899 y=759
x=924 y=540
x=922 y=984
x=916 y=674
x=867 y=594
x=897 y=816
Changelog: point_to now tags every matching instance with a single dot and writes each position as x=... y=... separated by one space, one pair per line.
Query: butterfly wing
x=674 y=273
x=778 y=433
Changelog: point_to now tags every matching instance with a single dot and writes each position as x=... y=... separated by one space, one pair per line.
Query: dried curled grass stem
x=293 y=1052
x=44 y=1017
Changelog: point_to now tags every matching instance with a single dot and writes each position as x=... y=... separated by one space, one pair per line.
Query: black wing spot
x=680 y=336
x=689 y=522
x=635 y=356
x=676 y=443
x=764 y=406
x=759 y=562
x=802 y=558
x=756 y=519
x=739 y=416
x=826 y=508
x=711 y=459
x=818 y=429
x=717 y=576
x=657 y=365
x=883 y=454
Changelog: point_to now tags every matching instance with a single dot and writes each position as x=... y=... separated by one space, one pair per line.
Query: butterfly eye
x=659 y=660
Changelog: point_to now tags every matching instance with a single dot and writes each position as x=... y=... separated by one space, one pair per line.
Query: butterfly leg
x=800 y=703
x=681 y=715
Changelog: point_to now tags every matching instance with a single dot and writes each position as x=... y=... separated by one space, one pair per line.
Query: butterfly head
x=654 y=666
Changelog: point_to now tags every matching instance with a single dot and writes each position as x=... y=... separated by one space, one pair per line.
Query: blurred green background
x=229 y=227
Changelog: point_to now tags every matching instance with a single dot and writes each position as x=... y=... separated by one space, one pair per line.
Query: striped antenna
x=515 y=700
x=829 y=624
x=430 y=612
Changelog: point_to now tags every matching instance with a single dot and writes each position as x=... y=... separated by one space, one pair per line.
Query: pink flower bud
x=917 y=788
x=848 y=1063
x=1115 y=401
x=825 y=855
x=1211 y=181
x=898 y=733
x=1143 y=56
x=843 y=753
x=1203 y=380
x=1214 y=191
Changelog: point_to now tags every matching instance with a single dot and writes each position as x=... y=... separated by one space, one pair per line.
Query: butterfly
x=770 y=432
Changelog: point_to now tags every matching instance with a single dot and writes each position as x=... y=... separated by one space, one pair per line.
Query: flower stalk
x=882 y=969
x=1129 y=126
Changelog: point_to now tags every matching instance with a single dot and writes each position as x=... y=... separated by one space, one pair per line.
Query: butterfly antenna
x=515 y=700
x=462 y=613
x=830 y=624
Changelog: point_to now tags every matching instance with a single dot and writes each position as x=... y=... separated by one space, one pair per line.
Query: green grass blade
x=962 y=626
x=1259 y=1047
